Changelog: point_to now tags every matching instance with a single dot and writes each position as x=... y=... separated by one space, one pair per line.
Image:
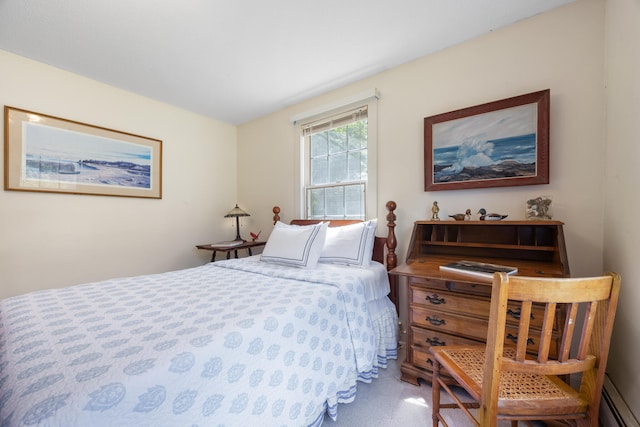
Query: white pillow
x=295 y=245
x=350 y=244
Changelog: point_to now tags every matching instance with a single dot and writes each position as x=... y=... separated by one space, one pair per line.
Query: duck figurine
x=484 y=216
x=462 y=217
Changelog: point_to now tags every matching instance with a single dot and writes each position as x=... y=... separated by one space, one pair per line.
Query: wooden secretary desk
x=448 y=308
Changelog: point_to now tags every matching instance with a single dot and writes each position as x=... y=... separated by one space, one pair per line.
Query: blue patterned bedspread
x=231 y=343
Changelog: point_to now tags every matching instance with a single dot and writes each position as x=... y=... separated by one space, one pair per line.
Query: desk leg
x=235 y=253
x=249 y=249
x=228 y=254
x=213 y=256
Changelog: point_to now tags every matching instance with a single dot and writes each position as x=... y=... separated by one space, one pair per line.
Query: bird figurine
x=484 y=216
x=462 y=217
x=254 y=236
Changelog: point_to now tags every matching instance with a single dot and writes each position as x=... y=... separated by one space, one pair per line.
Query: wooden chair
x=507 y=382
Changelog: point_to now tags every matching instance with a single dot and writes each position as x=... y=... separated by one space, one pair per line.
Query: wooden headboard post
x=389 y=242
x=392 y=258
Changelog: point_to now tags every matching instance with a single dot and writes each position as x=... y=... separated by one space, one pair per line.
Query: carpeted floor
x=390 y=402
x=387 y=402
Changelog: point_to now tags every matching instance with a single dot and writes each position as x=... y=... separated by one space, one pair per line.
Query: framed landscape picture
x=50 y=154
x=498 y=144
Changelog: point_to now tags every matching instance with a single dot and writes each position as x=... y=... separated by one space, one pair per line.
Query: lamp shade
x=236 y=212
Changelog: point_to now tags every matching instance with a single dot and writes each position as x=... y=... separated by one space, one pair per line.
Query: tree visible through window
x=337 y=166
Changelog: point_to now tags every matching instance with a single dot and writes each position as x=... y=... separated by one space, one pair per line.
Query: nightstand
x=229 y=249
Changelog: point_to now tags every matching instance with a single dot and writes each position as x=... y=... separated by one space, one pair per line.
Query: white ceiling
x=236 y=60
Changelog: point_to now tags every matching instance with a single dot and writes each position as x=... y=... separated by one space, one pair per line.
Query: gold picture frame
x=50 y=154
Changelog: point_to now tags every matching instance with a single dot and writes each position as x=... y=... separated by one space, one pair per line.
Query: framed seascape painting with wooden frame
x=50 y=154
x=497 y=144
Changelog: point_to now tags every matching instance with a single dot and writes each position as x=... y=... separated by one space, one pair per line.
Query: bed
x=249 y=341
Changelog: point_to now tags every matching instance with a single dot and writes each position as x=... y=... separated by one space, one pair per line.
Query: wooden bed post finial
x=276 y=216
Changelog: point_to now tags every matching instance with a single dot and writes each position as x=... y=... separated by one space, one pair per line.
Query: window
x=337 y=158
x=336 y=166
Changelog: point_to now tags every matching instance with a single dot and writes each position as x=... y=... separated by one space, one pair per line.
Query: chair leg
x=435 y=393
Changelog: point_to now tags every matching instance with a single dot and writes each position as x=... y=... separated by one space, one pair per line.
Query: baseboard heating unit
x=614 y=411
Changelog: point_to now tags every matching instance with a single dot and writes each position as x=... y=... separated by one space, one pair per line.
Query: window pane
x=319 y=171
x=316 y=203
x=338 y=168
x=338 y=140
x=357 y=168
x=319 y=144
x=357 y=135
x=363 y=165
x=354 y=201
x=341 y=202
x=335 y=202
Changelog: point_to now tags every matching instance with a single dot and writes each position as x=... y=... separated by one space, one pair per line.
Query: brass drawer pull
x=435 y=299
x=435 y=321
x=514 y=338
x=435 y=341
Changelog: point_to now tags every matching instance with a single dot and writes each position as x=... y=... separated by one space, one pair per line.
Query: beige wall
x=539 y=53
x=53 y=240
x=621 y=231
x=563 y=50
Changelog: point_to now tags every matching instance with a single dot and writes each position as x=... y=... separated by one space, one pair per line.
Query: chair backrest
x=583 y=308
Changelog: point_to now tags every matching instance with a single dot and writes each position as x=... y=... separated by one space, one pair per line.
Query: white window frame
x=368 y=99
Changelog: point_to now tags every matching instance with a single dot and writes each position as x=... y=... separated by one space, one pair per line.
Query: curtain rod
x=338 y=105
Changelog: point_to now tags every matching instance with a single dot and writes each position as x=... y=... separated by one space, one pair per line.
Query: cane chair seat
x=515 y=388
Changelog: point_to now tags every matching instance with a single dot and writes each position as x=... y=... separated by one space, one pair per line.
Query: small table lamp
x=237 y=213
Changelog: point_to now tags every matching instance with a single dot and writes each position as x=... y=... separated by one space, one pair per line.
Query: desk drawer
x=511 y=338
x=469 y=305
x=429 y=282
x=422 y=339
x=471 y=288
x=422 y=357
x=439 y=320
x=425 y=338
x=443 y=300
x=458 y=286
